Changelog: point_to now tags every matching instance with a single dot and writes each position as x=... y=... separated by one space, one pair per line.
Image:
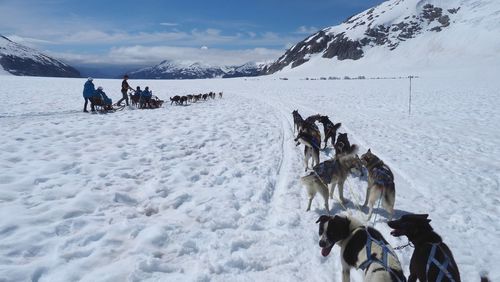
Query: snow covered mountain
x=24 y=61
x=189 y=70
x=411 y=32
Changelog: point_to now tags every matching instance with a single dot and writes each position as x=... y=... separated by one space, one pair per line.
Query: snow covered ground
x=210 y=191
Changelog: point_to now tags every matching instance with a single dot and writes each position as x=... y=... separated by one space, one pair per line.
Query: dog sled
x=102 y=107
x=145 y=103
x=152 y=102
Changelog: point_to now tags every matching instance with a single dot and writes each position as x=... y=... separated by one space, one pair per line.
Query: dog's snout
x=322 y=243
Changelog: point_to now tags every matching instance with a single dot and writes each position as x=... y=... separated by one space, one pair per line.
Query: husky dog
x=220 y=95
x=175 y=99
x=329 y=128
x=297 y=120
x=343 y=146
x=310 y=128
x=311 y=147
x=312 y=119
x=190 y=98
x=380 y=183
x=330 y=173
x=205 y=96
x=183 y=100
x=361 y=247
x=432 y=258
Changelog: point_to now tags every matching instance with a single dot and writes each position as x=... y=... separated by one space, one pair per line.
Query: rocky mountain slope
x=392 y=24
x=20 y=60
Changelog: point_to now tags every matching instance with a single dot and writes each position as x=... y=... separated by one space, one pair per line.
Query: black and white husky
x=361 y=247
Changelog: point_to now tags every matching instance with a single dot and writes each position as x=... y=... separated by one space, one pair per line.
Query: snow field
x=210 y=191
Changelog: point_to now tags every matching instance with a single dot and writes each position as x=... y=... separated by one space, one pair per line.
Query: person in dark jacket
x=88 y=92
x=138 y=92
x=107 y=101
x=125 y=88
x=146 y=97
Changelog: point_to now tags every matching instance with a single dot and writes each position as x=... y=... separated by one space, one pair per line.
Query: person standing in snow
x=88 y=92
x=125 y=88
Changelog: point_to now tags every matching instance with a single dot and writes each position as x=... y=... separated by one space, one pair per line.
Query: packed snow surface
x=211 y=191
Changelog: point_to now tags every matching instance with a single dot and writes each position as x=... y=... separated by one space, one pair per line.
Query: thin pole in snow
x=409 y=100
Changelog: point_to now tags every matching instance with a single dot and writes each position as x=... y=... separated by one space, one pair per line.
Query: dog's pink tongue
x=326 y=251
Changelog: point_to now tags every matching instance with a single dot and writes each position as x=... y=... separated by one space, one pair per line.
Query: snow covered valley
x=211 y=191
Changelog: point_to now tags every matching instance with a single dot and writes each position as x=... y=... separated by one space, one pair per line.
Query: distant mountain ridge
x=20 y=60
x=168 y=69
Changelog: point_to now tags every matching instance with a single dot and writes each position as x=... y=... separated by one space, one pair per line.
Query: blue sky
x=145 y=32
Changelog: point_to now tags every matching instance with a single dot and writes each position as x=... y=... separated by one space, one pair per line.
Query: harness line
x=378 y=207
x=404 y=246
x=356 y=199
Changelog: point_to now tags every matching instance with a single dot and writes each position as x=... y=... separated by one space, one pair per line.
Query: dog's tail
x=484 y=277
x=337 y=126
x=353 y=149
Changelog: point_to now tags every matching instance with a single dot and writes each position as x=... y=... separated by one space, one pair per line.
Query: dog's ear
x=416 y=217
x=323 y=218
x=369 y=150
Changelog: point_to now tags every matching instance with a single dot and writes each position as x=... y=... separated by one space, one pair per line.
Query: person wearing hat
x=88 y=92
x=145 y=99
x=99 y=93
x=125 y=88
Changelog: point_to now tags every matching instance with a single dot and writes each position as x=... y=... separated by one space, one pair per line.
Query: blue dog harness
x=443 y=267
x=382 y=175
x=371 y=259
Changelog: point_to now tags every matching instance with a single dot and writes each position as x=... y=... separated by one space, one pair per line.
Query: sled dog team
x=139 y=98
x=363 y=247
x=183 y=100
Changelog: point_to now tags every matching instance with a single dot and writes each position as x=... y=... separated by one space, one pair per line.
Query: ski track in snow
x=211 y=192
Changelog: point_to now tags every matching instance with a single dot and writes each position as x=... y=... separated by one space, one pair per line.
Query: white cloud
x=30 y=42
x=306 y=29
x=169 y=24
x=147 y=55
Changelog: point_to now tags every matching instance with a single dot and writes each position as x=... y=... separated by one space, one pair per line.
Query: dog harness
x=382 y=175
x=371 y=259
x=443 y=267
x=326 y=169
